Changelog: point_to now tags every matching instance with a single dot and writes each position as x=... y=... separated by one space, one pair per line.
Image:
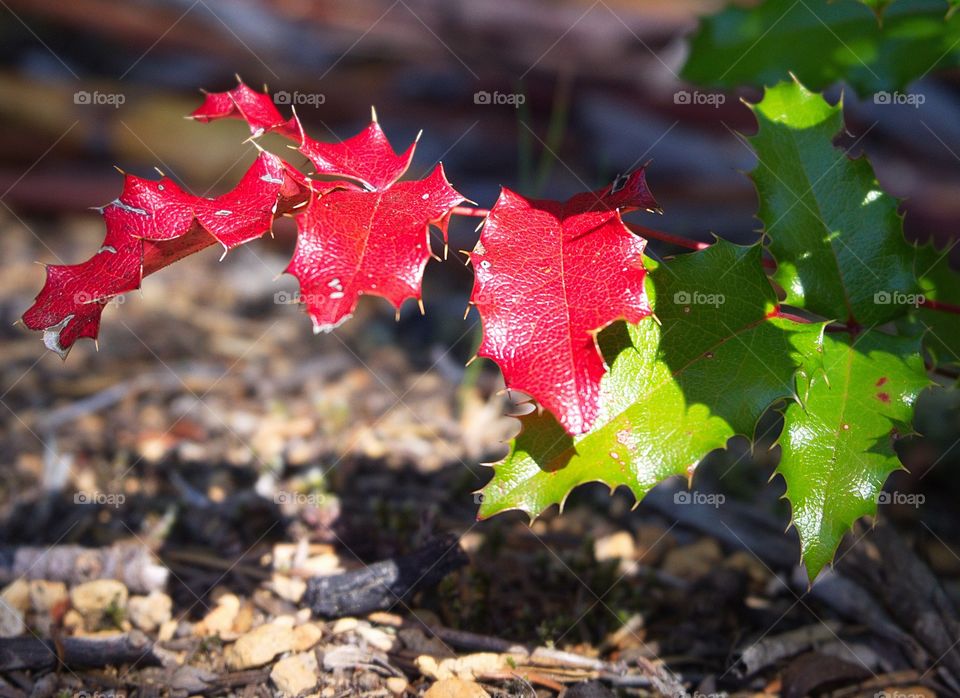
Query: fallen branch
x=31 y=652
x=131 y=563
x=384 y=584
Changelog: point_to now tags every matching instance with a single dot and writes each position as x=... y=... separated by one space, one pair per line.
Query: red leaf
x=366 y=157
x=353 y=239
x=549 y=277
x=367 y=242
x=256 y=108
x=151 y=225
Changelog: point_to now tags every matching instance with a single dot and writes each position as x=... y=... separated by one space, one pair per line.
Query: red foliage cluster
x=549 y=275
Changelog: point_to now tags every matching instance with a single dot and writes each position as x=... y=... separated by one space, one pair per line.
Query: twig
x=31 y=652
x=383 y=584
x=652 y=234
x=942 y=306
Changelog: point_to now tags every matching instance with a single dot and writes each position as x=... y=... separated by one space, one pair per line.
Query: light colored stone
x=469 y=666
x=167 y=631
x=220 y=620
x=259 y=646
x=151 y=611
x=616 y=546
x=72 y=622
x=306 y=636
x=287 y=620
x=288 y=588
x=344 y=625
x=455 y=688
x=295 y=674
x=244 y=620
x=45 y=595
x=397 y=685
x=92 y=599
x=17 y=595
x=376 y=638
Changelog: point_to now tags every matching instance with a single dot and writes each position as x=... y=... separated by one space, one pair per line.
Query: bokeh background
x=207 y=397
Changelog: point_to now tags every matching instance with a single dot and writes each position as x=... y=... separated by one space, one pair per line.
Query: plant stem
x=636 y=228
x=942 y=306
x=652 y=234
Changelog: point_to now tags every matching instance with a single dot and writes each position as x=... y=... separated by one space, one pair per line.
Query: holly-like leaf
x=548 y=277
x=367 y=242
x=366 y=157
x=939 y=285
x=242 y=102
x=365 y=232
x=837 y=445
x=825 y=42
x=153 y=224
x=836 y=236
x=720 y=357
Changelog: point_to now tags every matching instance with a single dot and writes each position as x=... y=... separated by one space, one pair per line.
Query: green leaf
x=825 y=42
x=836 y=236
x=675 y=390
x=940 y=284
x=837 y=442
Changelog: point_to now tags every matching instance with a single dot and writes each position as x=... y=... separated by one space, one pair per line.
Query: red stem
x=638 y=229
x=942 y=307
x=650 y=233
x=777 y=312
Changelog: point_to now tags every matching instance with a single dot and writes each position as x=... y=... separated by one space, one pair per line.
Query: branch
x=652 y=234
x=942 y=306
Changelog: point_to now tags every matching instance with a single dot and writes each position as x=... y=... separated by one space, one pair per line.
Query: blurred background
x=207 y=398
